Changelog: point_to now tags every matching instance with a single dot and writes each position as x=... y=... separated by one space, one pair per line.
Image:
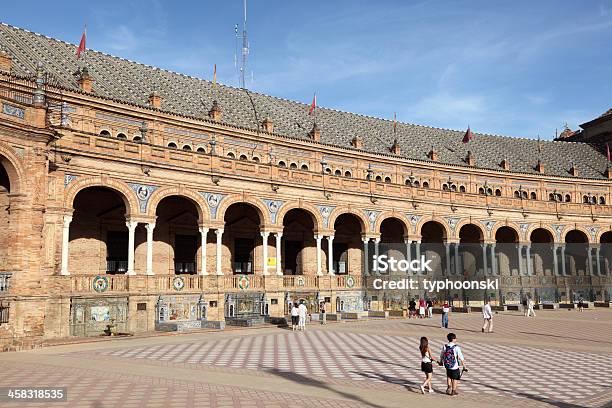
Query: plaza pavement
x=560 y=358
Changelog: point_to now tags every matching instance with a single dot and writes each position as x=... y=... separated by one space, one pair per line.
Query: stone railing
x=300 y=281
x=5 y=278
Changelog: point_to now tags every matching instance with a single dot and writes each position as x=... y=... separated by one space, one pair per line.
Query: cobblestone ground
x=559 y=358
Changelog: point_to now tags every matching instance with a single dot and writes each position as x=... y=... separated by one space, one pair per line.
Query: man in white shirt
x=530 y=305
x=487 y=315
x=452 y=358
x=302 y=313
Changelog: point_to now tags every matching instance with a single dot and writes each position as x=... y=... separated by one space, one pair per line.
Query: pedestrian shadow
x=304 y=380
x=408 y=384
x=378 y=360
x=449 y=328
x=566 y=337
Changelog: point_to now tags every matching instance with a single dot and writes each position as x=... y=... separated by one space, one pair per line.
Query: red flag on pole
x=468 y=135
x=81 y=47
x=608 y=151
x=313 y=105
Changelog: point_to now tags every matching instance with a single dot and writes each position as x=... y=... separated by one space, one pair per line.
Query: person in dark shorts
x=427 y=361
x=411 y=308
x=452 y=359
x=581 y=304
x=295 y=316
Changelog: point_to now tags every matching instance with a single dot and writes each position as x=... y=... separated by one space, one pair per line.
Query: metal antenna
x=245 y=47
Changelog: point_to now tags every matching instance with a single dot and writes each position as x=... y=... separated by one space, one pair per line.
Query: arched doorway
x=576 y=253
x=347 y=245
x=176 y=238
x=98 y=239
x=433 y=237
x=392 y=233
x=471 y=256
x=605 y=253
x=299 y=255
x=506 y=249
x=241 y=239
x=540 y=254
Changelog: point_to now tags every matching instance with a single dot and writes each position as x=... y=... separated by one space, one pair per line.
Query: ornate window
x=105 y=133
x=201 y=150
x=282 y=164
x=497 y=192
x=256 y=159
x=243 y=157
x=121 y=136
x=231 y=155
x=293 y=166
x=338 y=172
x=602 y=200
x=387 y=179
x=172 y=145
x=347 y=174
x=305 y=167
x=187 y=147
x=426 y=184
x=462 y=189
x=568 y=198
x=378 y=178
x=533 y=195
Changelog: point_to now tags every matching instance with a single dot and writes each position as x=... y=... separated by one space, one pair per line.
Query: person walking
x=426 y=365
x=452 y=358
x=421 y=308
x=445 y=312
x=411 y=308
x=302 y=312
x=295 y=315
x=530 y=310
x=487 y=315
x=323 y=314
x=581 y=304
x=525 y=306
x=429 y=308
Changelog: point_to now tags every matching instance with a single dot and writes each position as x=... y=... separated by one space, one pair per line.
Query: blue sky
x=518 y=68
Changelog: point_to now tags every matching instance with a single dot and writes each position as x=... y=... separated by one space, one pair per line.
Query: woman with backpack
x=426 y=364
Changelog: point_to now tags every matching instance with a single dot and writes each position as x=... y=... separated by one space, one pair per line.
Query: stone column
x=590 y=260
x=520 y=259
x=279 y=271
x=597 y=257
x=203 y=234
x=563 y=259
x=376 y=248
x=219 y=232
x=493 y=260
x=529 y=262
x=150 y=227
x=457 y=259
x=408 y=243
x=366 y=257
x=555 y=260
x=264 y=236
x=484 y=258
x=330 y=259
x=417 y=249
x=447 y=258
x=65 y=244
x=131 y=225
x=319 y=270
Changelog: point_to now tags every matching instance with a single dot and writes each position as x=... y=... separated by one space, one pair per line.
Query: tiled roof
x=132 y=82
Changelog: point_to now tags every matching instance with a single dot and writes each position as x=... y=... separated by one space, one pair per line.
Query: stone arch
x=577 y=228
x=309 y=208
x=193 y=196
x=601 y=233
x=476 y=227
x=365 y=223
x=511 y=225
x=14 y=167
x=125 y=192
x=445 y=227
x=260 y=207
x=397 y=215
x=534 y=227
x=465 y=221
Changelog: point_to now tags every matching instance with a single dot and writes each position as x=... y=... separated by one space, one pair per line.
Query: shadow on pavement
x=566 y=337
x=304 y=380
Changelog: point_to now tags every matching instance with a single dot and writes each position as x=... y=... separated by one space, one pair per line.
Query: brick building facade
x=137 y=197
